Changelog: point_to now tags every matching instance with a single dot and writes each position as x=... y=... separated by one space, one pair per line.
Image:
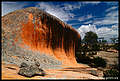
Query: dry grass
x=110 y=57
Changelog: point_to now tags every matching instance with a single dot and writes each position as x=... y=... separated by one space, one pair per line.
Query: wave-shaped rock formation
x=31 y=34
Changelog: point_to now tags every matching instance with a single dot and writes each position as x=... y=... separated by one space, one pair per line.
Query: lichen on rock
x=31 y=32
x=30 y=70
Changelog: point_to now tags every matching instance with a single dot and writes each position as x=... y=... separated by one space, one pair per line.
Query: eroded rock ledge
x=29 y=33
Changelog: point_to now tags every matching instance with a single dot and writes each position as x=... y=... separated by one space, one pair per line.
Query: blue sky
x=98 y=16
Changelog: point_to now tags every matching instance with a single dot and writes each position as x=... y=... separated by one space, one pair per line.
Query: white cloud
x=71 y=7
x=55 y=10
x=83 y=18
x=112 y=8
x=115 y=27
x=79 y=4
x=88 y=22
x=91 y=2
x=86 y=28
x=8 y=7
x=73 y=23
x=112 y=14
x=105 y=32
x=110 y=18
x=112 y=3
x=106 y=21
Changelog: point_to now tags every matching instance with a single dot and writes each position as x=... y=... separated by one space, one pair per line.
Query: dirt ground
x=111 y=58
x=82 y=71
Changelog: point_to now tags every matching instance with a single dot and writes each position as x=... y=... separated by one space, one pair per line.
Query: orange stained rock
x=50 y=39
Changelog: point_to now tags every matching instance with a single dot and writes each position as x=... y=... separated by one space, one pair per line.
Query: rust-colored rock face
x=37 y=31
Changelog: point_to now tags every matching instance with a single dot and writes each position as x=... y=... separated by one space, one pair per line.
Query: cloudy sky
x=98 y=16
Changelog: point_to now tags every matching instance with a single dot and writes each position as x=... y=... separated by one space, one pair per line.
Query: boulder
x=32 y=32
x=31 y=70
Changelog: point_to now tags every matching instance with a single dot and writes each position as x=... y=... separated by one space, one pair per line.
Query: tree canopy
x=90 y=38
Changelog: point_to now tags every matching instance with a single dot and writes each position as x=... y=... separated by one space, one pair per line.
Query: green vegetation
x=103 y=45
x=99 y=62
x=89 y=47
x=84 y=59
x=90 y=38
x=90 y=43
x=111 y=73
x=116 y=46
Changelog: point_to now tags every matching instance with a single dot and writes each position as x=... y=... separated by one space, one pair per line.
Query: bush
x=84 y=59
x=99 y=62
x=116 y=46
x=95 y=47
x=111 y=73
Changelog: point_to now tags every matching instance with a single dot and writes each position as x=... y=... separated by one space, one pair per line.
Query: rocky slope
x=31 y=34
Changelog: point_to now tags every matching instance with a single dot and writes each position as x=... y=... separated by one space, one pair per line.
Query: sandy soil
x=110 y=57
x=82 y=71
x=78 y=71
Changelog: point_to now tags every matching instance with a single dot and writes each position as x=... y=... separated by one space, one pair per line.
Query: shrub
x=99 y=62
x=84 y=59
x=95 y=47
x=111 y=73
x=116 y=46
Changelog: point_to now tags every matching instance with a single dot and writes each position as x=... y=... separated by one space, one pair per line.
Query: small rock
x=23 y=64
x=42 y=72
x=93 y=72
x=31 y=71
x=97 y=73
x=100 y=68
x=25 y=71
x=37 y=63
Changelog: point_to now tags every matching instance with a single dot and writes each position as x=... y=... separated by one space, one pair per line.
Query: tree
x=104 y=41
x=115 y=43
x=90 y=38
x=104 y=45
x=88 y=48
x=113 y=40
x=116 y=46
x=91 y=41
